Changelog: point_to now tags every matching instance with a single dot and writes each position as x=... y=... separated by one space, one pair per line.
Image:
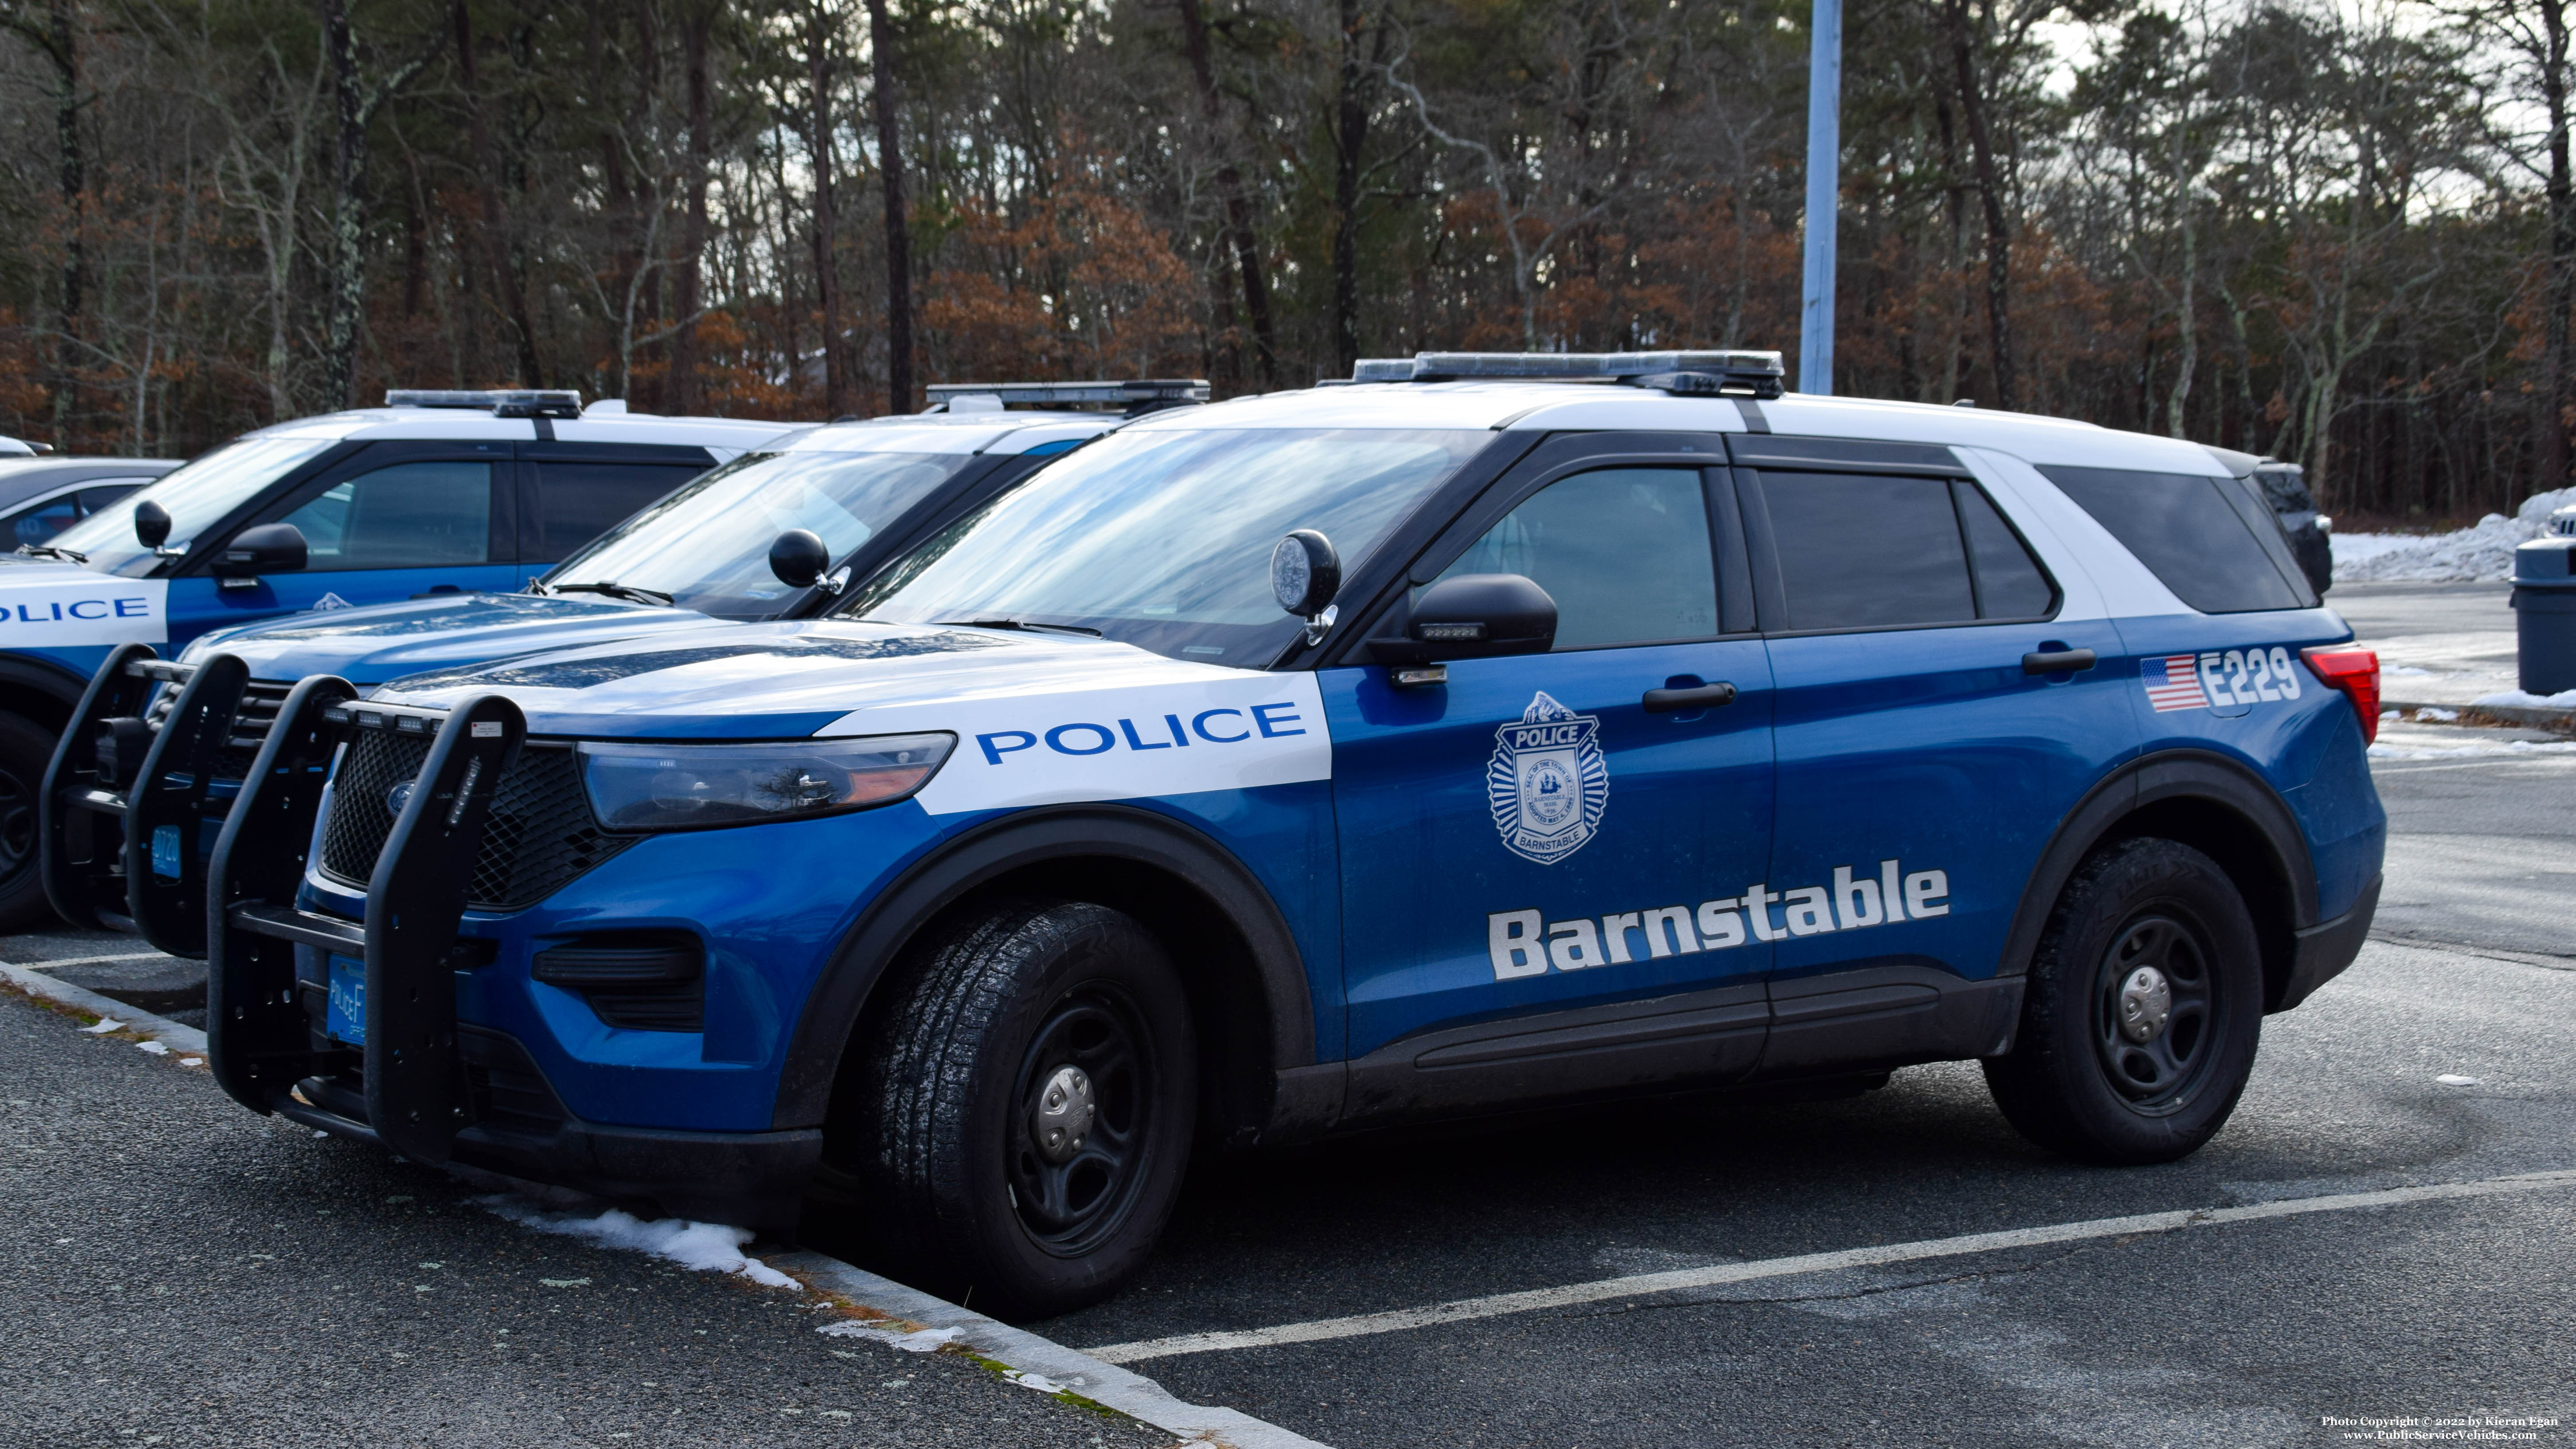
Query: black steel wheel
x=25 y=752
x=2142 y=1011
x=1019 y=1112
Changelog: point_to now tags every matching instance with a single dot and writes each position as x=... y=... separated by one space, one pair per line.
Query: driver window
x=405 y=516
x=1625 y=553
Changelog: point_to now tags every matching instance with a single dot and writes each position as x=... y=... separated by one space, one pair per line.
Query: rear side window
x=577 y=502
x=2184 y=530
x=1623 y=551
x=1860 y=551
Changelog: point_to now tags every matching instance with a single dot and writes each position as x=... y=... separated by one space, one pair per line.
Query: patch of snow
x=924 y=1340
x=2448 y=1079
x=1039 y=1382
x=105 y=1025
x=2482 y=551
x=192 y=1061
x=2519 y=699
x=2387 y=751
x=704 y=1247
x=154 y=1047
x=2406 y=671
x=2443 y=715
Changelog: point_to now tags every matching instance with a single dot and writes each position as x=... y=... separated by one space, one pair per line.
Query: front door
x=1542 y=879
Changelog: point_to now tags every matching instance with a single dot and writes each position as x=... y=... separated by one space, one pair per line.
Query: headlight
x=694 y=787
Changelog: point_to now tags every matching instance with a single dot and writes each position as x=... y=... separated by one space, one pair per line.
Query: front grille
x=505 y=1086
x=539 y=836
x=257 y=715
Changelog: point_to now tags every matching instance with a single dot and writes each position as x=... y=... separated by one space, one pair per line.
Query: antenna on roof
x=1737 y=374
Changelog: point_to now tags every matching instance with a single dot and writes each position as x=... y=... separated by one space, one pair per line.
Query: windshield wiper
x=1016 y=624
x=629 y=592
x=47 y=550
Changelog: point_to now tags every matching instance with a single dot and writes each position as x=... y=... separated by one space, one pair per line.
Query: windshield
x=1162 y=539
x=198 y=494
x=707 y=545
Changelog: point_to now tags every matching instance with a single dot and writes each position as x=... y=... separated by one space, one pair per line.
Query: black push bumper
x=2325 y=949
x=420 y=1082
x=135 y=784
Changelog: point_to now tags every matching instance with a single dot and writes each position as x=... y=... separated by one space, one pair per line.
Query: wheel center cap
x=2146 y=1002
x=1060 y=1120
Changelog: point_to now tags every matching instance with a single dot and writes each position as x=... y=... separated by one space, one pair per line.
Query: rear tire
x=1025 y=1109
x=26 y=751
x=2143 y=1010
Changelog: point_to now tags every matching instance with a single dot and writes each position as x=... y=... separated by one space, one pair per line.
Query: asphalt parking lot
x=179 y=1269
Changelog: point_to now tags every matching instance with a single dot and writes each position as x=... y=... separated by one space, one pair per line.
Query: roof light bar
x=1754 y=374
x=1134 y=394
x=500 y=402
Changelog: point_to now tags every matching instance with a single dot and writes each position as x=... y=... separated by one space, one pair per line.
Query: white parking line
x=1643 y=1284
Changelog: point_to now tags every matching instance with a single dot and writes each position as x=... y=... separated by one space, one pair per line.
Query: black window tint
x=2183 y=529
x=2009 y=582
x=1624 y=552
x=98 y=495
x=405 y=516
x=1862 y=552
x=2284 y=491
x=577 y=502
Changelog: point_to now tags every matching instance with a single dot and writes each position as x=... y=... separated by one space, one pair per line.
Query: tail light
x=2356 y=673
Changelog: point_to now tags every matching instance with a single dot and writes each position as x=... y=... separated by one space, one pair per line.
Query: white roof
x=961 y=433
x=1580 y=407
x=469 y=425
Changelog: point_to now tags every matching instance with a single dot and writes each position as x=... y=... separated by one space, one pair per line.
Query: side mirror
x=271 y=548
x=798 y=558
x=151 y=524
x=1475 y=616
x=1305 y=573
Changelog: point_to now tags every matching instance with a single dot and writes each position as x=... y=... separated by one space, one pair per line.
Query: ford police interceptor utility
x=436 y=491
x=1436 y=744
x=778 y=533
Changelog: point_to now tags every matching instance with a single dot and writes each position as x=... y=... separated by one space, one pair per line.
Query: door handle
x=2051 y=661
x=1698 y=696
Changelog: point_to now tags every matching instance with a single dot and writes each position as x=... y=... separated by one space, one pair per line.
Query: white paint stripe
x=142 y=1023
x=98 y=960
x=1027 y=1355
x=1645 y=1284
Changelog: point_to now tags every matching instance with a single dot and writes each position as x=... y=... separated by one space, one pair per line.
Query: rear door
x=1541 y=878
x=1921 y=769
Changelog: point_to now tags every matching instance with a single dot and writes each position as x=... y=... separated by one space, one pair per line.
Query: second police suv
x=1493 y=731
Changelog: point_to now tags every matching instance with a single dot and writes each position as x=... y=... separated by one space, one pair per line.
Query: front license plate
x=347 y=1018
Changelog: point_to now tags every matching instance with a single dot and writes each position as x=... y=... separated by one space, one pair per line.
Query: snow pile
x=2484 y=551
x=705 y=1247
x=2386 y=750
x=922 y=1340
x=2520 y=699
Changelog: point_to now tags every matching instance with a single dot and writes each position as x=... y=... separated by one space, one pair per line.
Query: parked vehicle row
x=941 y=852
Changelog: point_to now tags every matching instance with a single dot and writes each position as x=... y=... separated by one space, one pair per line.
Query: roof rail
x=500 y=402
x=1743 y=374
x=1137 y=395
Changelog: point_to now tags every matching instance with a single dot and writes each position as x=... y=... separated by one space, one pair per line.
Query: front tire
x=2142 y=1013
x=1026 y=1106
x=26 y=752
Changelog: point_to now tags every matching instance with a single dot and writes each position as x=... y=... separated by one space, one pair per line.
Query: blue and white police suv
x=435 y=491
x=1494 y=731
x=779 y=532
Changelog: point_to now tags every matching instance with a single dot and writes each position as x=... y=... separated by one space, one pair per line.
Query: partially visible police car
x=777 y=533
x=1493 y=731
x=435 y=491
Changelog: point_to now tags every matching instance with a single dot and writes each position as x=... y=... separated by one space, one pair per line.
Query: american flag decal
x=2173 y=682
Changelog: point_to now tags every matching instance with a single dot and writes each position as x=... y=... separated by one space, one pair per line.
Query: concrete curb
x=175 y=1036
x=2561 y=720
x=1024 y=1353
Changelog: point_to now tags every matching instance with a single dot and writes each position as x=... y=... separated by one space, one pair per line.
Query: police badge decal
x=1547 y=783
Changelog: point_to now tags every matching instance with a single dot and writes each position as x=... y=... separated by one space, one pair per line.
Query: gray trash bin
x=2544 y=601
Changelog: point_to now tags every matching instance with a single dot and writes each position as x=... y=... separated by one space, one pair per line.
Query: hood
x=367 y=646
x=1039 y=718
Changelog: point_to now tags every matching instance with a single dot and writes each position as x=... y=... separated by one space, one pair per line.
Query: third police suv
x=1487 y=732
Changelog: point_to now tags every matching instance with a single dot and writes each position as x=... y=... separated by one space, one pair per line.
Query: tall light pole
x=1824 y=196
